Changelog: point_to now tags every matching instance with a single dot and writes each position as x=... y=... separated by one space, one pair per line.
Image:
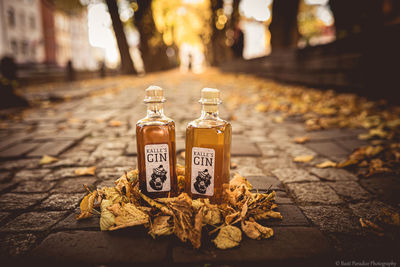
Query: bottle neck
x=155 y=109
x=209 y=111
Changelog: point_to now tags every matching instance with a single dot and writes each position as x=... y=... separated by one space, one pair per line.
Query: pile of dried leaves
x=124 y=206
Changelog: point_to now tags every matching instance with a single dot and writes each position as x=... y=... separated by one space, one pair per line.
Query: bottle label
x=203 y=162
x=158 y=176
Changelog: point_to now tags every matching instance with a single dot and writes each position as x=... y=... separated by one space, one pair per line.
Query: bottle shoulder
x=208 y=123
x=164 y=120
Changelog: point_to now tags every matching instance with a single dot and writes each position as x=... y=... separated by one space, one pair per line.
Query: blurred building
x=21 y=33
x=72 y=40
x=37 y=32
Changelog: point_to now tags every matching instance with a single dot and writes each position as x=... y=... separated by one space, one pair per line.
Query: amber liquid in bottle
x=155 y=137
x=208 y=143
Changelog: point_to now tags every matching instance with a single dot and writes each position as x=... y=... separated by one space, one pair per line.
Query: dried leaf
x=127 y=215
x=268 y=214
x=107 y=219
x=115 y=123
x=86 y=206
x=47 y=160
x=85 y=171
x=326 y=164
x=181 y=183
x=279 y=119
x=302 y=139
x=371 y=226
x=228 y=237
x=303 y=158
x=161 y=226
x=261 y=107
x=123 y=186
x=237 y=181
x=112 y=194
x=180 y=170
x=195 y=233
x=389 y=217
x=211 y=214
x=233 y=165
x=256 y=231
x=163 y=208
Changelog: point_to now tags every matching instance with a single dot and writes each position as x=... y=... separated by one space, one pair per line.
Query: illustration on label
x=203 y=160
x=157 y=168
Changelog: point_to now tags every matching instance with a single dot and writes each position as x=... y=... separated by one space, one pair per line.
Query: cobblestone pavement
x=321 y=207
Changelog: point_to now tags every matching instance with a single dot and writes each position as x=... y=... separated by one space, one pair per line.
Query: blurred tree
x=126 y=60
x=223 y=28
x=152 y=47
x=284 y=32
x=356 y=16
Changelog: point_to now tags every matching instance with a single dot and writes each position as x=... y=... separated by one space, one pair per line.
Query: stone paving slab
x=100 y=248
x=33 y=221
x=316 y=192
x=289 y=243
x=51 y=148
x=18 y=150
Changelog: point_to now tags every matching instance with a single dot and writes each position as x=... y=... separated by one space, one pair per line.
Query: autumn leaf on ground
x=303 y=158
x=371 y=226
x=279 y=119
x=180 y=170
x=107 y=219
x=86 y=205
x=261 y=107
x=326 y=164
x=127 y=214
x=47 y=160
x=302 y=139
x=74 y=120
x=228 y=237
x=85 y=171
x=255 y=230
x=181 y=183
x=161 y=226
x=233 y=165
x=115 y=123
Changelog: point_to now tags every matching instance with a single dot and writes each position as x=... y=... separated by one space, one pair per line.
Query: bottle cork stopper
x=154 y=94
x=210 y=96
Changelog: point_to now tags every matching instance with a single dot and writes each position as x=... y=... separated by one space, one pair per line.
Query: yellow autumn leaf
x=161 y=226
x=115 y=123
x=86 y=206
x=47 y=160
x=261 y=107
x=127 y=214
x=228 y=237
x=255 y=230
x=107 y=219
x=302 y=139
x=303 y=158
x=326 y=164
x=85 y=171
x=279 y=119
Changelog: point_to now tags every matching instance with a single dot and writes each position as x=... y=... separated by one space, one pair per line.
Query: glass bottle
x=208 y=145
x=155 y=138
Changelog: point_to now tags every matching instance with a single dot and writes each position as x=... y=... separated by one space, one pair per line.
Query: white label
x=158 y=175
x=203 y=162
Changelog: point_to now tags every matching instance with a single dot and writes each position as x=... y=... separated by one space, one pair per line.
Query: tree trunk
x=356 y=16
x=284 y=32
x=154 y=55
x=218 y=50
x=126 y=60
